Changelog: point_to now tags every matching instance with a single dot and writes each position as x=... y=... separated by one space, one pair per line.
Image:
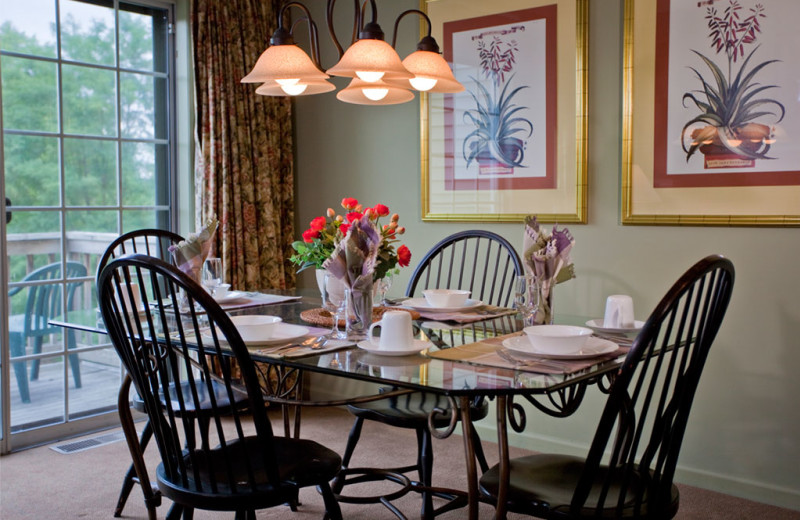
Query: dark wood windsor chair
x=239 y=465
x=485 y=264
x=629 y=470
x=155 y=243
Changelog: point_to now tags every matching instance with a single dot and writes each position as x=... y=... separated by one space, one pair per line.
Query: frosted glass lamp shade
x=284 y=62
x=318 y=86
x=370 y=55
x=430 y=65
x=354 y=93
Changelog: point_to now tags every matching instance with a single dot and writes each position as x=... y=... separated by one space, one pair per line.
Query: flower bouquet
x=325 y=232
x=546 y=255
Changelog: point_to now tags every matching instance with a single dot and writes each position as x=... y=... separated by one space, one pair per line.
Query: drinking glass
x=212 y=274
x=527 y=297
x=383 y=285
x=333 y=302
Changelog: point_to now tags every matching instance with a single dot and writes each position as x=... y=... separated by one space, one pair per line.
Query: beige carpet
x=41 y=483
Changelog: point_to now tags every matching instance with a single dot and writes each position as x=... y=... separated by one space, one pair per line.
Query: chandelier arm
x=313 y=34
x=332 y=31
x=402 y=15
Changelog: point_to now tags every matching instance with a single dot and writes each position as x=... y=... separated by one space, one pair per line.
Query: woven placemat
x=323 y=318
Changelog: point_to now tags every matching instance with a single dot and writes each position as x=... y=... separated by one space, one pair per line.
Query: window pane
x=90 y=172
x=31 y=165
x=89 y=100
x=133 y=219
x=30 y=27
x=142 y=38
x=87 y=32
x=98 y=221
x=30 y=100
x=34 y=240
x=142 y=174
x=138 y=108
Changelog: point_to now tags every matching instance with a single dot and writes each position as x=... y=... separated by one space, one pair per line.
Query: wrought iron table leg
x=504 y=466
x=469 y=451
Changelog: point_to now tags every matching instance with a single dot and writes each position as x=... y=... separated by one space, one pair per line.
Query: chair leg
x=425 y=458
x=129 y=481
x=74 y=359
x=352 y=440
x=16 y=349
x=332 y=510
x=37 y=349
x=476 y=442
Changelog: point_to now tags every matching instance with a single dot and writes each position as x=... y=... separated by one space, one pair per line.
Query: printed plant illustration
x=495 y=142
x=730 y=102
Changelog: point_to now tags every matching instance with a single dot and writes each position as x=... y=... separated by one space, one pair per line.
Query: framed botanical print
x=513 y=142
x=711 y=118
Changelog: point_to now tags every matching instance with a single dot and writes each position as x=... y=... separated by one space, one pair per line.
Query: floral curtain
x=243 y=161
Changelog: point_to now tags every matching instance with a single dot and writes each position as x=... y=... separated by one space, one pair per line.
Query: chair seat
x=301 y=463
x=412 y=410
x=543 y=486
x=204 y=398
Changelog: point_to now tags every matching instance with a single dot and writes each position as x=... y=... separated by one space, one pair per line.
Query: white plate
x=231 y=296
x=421 y=304
x=374 y=348
x=598 y=326
x=284 y=333
x=594 y=347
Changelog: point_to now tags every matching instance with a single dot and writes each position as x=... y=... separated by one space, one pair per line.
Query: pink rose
x=403 y=256
x=349 y=203
x=318 y=224
x=310 y=234
x=353 y=215
x=381 y=210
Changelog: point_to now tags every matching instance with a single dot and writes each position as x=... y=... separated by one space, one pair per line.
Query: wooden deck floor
x=100 y=380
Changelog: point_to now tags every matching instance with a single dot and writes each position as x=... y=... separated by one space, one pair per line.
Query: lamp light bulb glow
x=294 y=90
x=287 y=82
x=375 y=94
x=422 y=83
x=369 y=77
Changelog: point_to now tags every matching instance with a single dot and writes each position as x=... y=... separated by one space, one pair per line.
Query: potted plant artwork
x=499 y=137
x=731 y=129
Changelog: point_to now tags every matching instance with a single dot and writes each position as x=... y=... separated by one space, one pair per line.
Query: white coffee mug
x=396 y=331
x=619 y=312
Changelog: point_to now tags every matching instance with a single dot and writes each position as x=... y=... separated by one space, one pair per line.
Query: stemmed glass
x=334 y=302
x=384 y=284
x=212 y=274
x=527 y=297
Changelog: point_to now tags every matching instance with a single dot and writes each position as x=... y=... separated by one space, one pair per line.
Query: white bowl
x=557 y=339
x=255 y=327
x=445 y=297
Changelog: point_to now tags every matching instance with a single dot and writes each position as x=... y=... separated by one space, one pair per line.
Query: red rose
x=343 y=228
x=381 y=210
x=403 y=256
x=309 y=235
x=318 y=224
x=353 y=215
x=349 y=203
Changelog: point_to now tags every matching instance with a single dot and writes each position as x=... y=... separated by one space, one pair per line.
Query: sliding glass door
x=87 y=142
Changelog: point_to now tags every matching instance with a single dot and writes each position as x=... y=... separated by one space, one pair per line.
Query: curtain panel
x=243 y=156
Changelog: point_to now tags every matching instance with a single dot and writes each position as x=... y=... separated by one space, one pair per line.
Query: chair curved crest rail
x=154 y=243
x=43 y=304
x=629 y=469
x=476 y=260
x=239 y=465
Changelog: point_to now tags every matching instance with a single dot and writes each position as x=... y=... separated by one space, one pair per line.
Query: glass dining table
x=463 y=362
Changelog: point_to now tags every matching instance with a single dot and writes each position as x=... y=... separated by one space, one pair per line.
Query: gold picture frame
x=495 y=199
x=703 y=196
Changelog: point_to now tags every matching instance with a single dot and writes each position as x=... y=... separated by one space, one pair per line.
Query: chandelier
x=378 y=75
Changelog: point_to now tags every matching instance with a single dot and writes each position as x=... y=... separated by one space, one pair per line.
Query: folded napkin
x=485 y=312
x=190 y=254
x=546 y=255
x=354 y=258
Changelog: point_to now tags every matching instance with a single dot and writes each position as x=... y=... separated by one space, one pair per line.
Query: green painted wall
x=744 y=433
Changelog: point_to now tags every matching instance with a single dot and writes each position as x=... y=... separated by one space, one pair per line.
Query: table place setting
x=396 y=338
x=453 y=305
x=517 y=351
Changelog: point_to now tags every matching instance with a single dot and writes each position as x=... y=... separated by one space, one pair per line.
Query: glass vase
x=359 y=312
